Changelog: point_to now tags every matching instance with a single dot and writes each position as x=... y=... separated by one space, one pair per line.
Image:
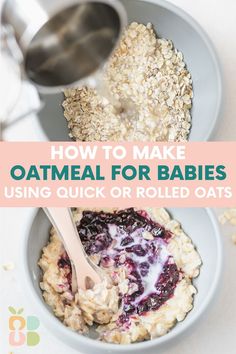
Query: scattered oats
x=222 y=219
x=230 y=213
x=146 y=71
x=233 y=237
x=229 y=216
x=233 y=221
x=8 y=266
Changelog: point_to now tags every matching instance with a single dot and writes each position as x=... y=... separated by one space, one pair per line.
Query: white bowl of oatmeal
x=152 y=290
x=166 y=65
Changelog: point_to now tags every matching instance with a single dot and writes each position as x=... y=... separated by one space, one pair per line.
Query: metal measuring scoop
x=63 y=42
x=84 y=274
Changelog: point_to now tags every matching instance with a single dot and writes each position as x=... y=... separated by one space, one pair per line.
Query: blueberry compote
x=131 y=239
x=64 y=262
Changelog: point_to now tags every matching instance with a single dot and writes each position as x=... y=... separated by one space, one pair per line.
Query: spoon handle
x=62 y=220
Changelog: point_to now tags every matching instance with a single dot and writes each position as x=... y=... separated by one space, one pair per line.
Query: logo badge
x=23 y=329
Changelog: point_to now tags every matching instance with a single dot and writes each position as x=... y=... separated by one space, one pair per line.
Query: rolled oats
x=145 y=72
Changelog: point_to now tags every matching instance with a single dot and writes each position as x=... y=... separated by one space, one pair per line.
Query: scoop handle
x=62 y=220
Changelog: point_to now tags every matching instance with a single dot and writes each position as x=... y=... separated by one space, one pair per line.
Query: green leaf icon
x=12 y=310
x=20 y=311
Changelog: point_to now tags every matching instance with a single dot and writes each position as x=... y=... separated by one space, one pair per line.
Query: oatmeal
x=145 y=72
x=148 y=265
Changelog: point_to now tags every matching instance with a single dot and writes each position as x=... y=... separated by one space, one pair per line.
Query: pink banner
x=111 y=174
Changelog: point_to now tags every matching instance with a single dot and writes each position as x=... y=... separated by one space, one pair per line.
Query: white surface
x=218 y=20
x=218 y=325
x=217 y=17
x=214 y=334
x=197 y=222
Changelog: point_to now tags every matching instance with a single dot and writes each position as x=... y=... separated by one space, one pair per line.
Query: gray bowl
x=188 y=37
x=202 y=227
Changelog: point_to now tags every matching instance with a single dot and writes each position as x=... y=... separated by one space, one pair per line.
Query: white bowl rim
x=61 y=331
